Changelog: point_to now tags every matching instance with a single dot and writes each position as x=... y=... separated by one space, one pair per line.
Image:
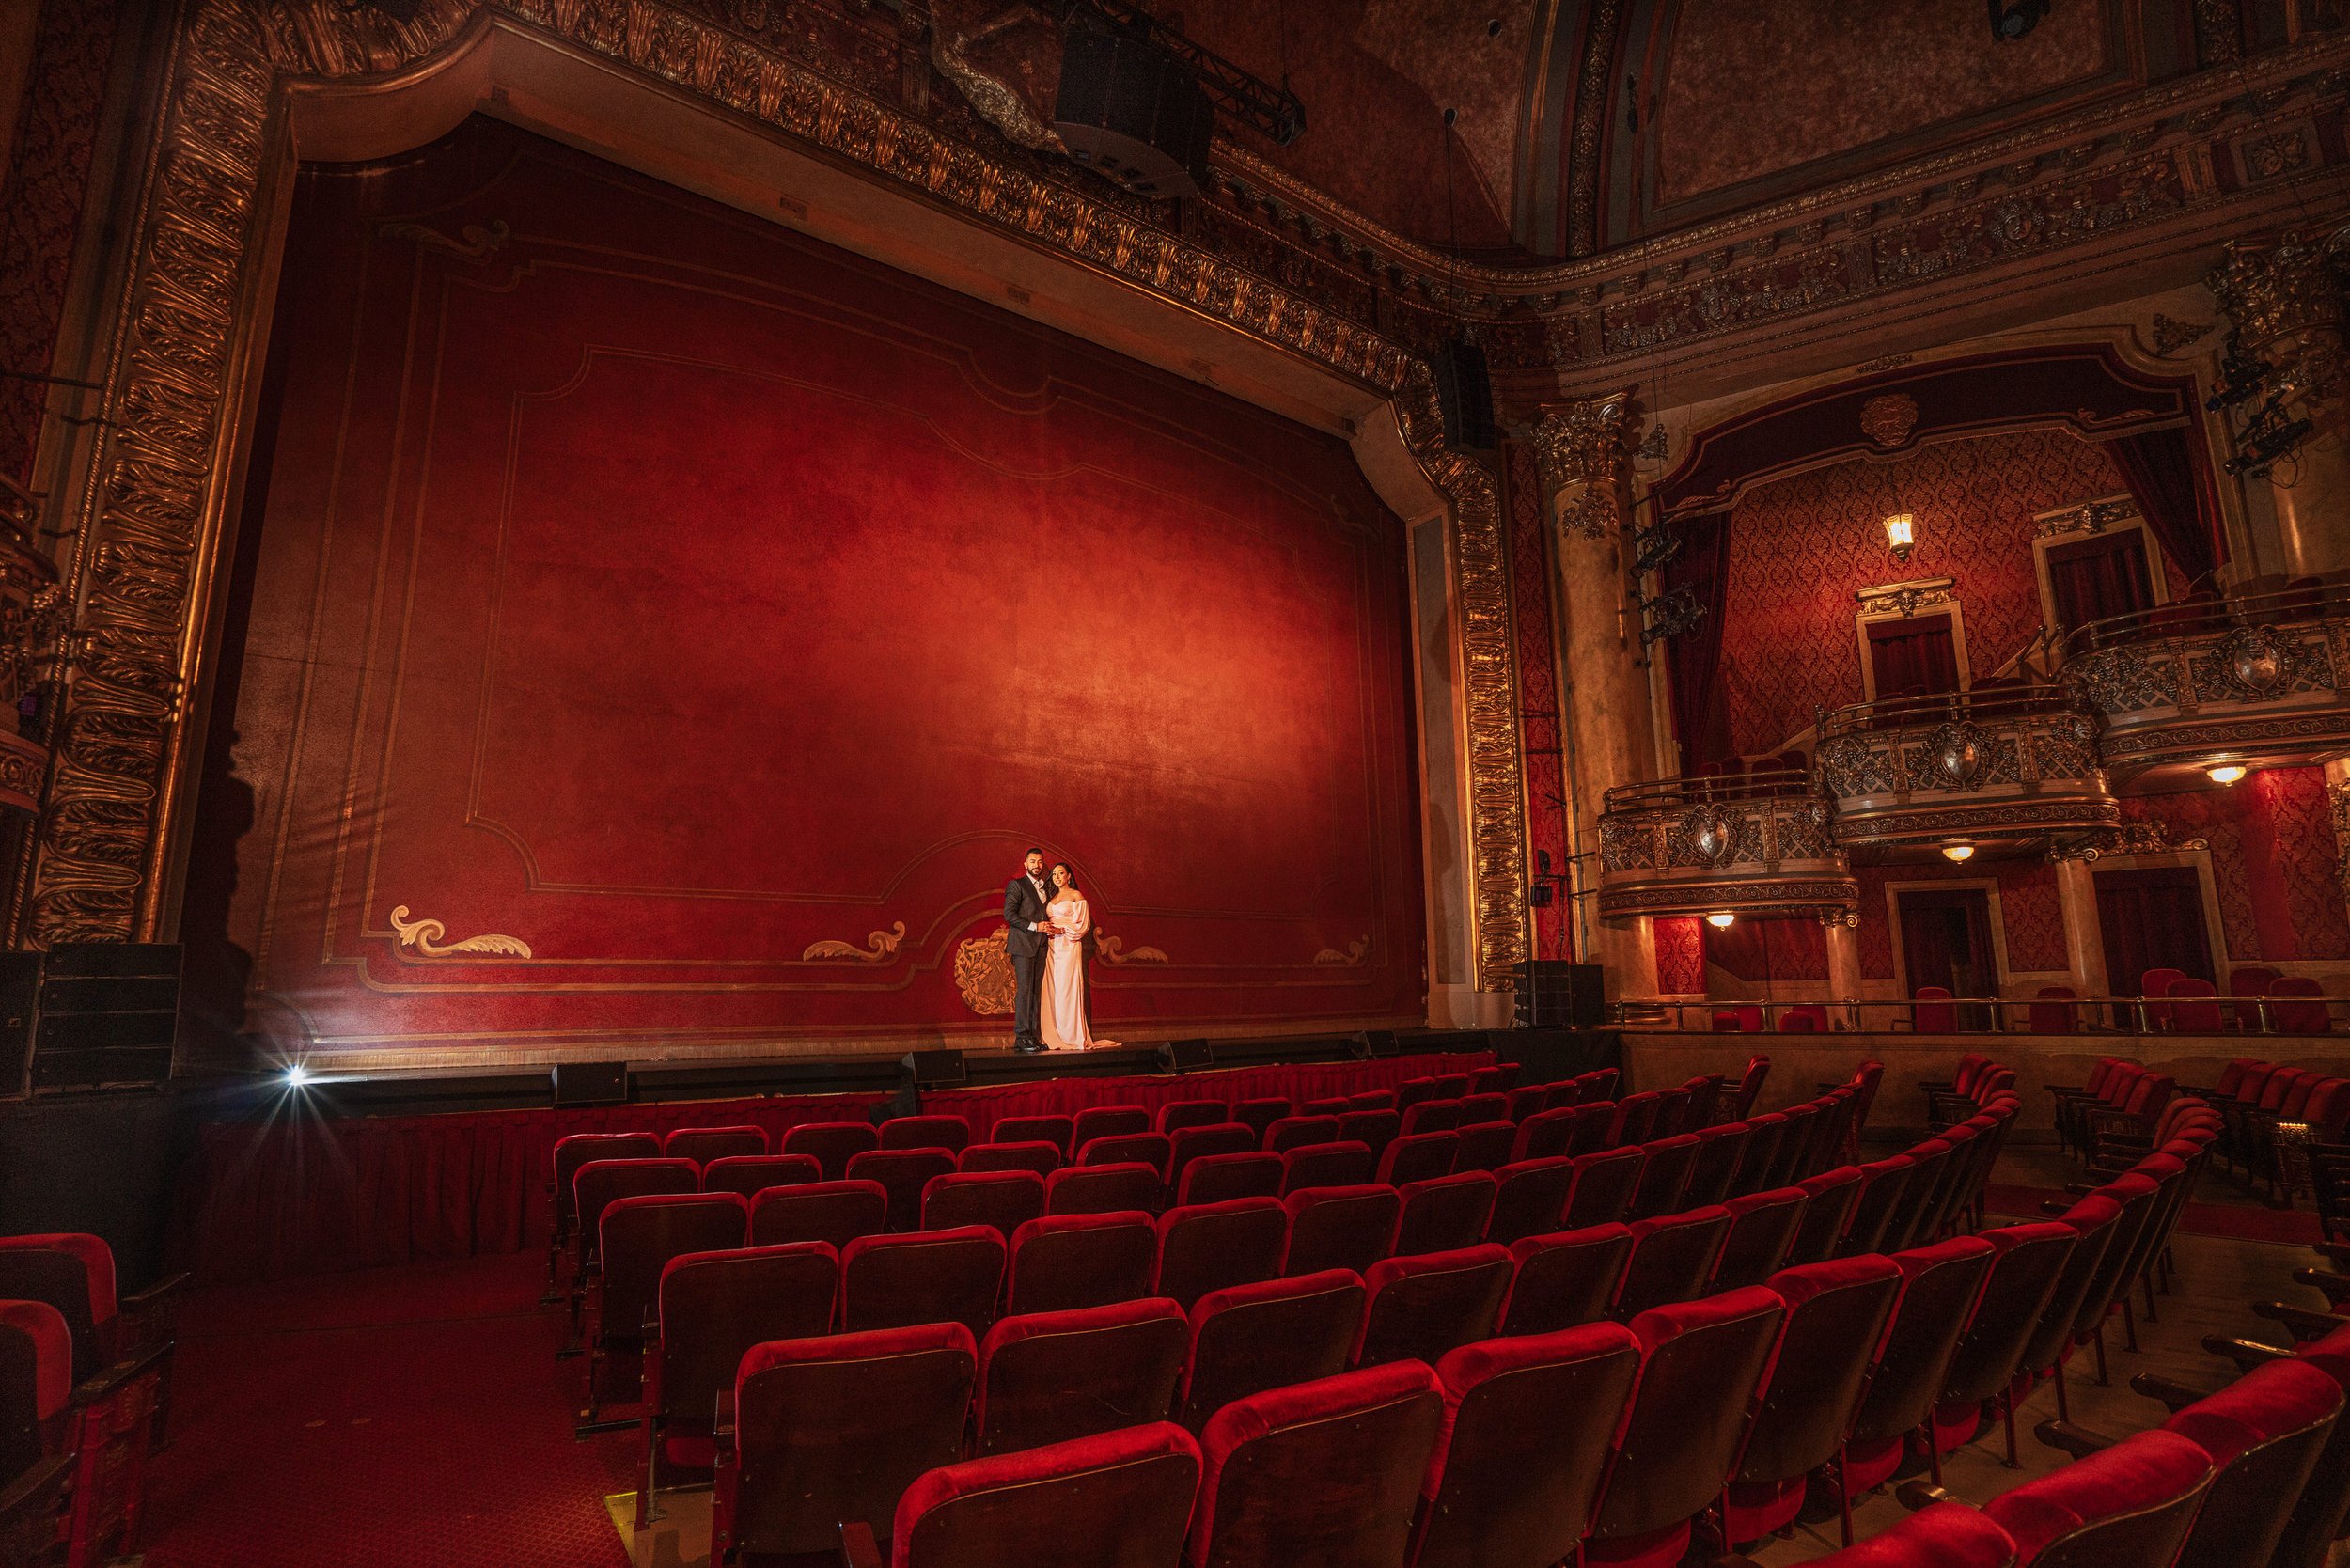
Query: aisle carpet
x=388 y=1417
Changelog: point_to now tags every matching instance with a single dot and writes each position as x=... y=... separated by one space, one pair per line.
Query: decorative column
x=1843 y=958
x=1586 y=465
x=2084 y=936
x=2283 y=300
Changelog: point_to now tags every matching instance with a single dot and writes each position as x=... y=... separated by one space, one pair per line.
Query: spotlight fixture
x=1900 y=533
x=2225 y=772
x=1958 y=853
x=2012 y=19
x=1722 y=919
x=296 y=1075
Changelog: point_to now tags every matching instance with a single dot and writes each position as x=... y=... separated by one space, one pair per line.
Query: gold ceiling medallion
x=1350 y=958
x=983 y=974
x=879 y=945
x=1888 y=419
x=422 y=939
x=1113 y=951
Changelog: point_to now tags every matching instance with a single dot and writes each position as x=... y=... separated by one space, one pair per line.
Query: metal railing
x=2210 y=615
x=1708 y=789
x=2120 y=1016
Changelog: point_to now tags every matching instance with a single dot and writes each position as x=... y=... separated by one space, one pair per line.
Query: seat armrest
x=39 y=1488
x=858 y=1546
x=2336 y=1287
x=157 y=1294
x=2072 y=1439
x=102 y=1385
x=2174 y=1395
x=2245 y=1354
x=2302 y=1323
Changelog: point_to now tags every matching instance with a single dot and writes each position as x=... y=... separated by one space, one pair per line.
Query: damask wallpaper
x=2274 y=864
x=1538 y=692
x=2030 y=913
x=1680 y=956
x=1802 y=546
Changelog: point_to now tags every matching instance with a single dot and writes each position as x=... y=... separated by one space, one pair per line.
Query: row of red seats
x=84 y=1395
x=2257 y=1098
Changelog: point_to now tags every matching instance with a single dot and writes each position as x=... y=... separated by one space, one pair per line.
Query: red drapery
x=303 y=1195
x=2152 y=918
x=2168 y=475
x=1700 y=718
x=1913 y=657
x=2099 y=576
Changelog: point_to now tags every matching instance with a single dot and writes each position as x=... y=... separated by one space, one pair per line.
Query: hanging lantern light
x=1900 y=533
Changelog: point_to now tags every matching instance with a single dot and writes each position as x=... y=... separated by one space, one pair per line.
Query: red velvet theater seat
x=1444 y=1214
x=1836 y=1313
x=1544 y=1134
x=1414 y=1091
x=600 y=1184
x=1035 y=1155
x=1532 y=1196
x=1432 y=1116
x=1155 y=1150
x=833 y=1431
x=1832 y=1194
x=833 y=1143
x=1055 y=1130
x=1424 y=1306
x=1527 y=1428
x=1940 y=1535
x=1672 y=1258
x=704 y=1144
x=1713 y=1171
x=1593 y=1128
x=2131 y=1503
x=1763 y=1228
x=573 y=1150
x=1260 y=1113
x=1100 y=1189
x=951 y=1132
x=1250 y=1337
x=1325 y=1165
x=1700 y=1364
x=713 y=1308
x=1327 y=1472
x=835 y=1213
x=1414 y=1158
x=1941 y=1283
x=1486 y=1145
x=1107 y=1122
x=1006 y=1199
x=1119 y=1501
x=1219 y=1178
x=1176 y=1115
x=1046 y=1377
x=1663 y=1176
x=40 y=1446
x=1064 y=1261
x=1186 y=1144
x=1210 y=1246
x=903 y=1173
x=1373 y=1129
x=1566 y=1279
x=1527 y=1100
x=928 y=1277
x=1884 y=1184
x=1766 y=1134
x=1372 y=1099
x=2023 y=1274
x=1297 y=1132
x=640 y=1236
x=1485 y=1107
x=1604 y=1185
x=2265 y=1434
x=752 y=1174
x=1636 y=1117
x=1350 y=1228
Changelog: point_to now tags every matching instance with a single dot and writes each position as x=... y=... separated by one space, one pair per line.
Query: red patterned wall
x=40 y=206
x=2031 y=913
x=1680 y=956
x=1794 y=948
x=2274 y=864
x=675 y=595
x=1538 y=693
x=1802 y=546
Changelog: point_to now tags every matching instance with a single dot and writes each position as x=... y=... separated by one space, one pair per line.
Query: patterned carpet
x=411 y=1416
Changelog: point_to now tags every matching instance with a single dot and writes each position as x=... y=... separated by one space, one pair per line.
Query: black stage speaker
x=936 y=1069
x=1186 y=1056
x=1132 y=112
x=590 y=1083
x=106 y=1015
x=1465 y=395
x=1553 y=994
x=19 y=994
x=1375 y=1042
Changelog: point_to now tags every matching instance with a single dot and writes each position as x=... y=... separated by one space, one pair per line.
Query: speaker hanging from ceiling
x=1130 y=111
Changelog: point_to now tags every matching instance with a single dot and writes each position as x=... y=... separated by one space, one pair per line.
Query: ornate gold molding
x=422 y=939
x=1581 y=452
x=878 y=946
x=1113 y=951
x=1350 y=958
x=983 y=974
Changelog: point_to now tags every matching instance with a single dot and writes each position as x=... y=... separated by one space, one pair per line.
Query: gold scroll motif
x=422 y=939
x=983 y=974
x=1113 y=951
x=147 y=532
x=1350 y=958
x=880 y=944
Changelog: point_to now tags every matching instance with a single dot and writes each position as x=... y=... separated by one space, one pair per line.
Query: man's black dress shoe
x=1033 y=1048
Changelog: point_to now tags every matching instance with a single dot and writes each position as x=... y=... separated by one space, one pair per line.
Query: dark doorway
x=2099 y=576
x=1946 y=941
x=1913 y=657
x=2153 y=919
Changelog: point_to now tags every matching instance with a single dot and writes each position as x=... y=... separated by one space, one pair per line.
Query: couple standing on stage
x=1043 y=908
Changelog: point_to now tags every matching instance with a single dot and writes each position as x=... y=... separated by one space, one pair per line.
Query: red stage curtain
x=1700 y=718
x=2168 y=475
x=2153 y=919
x=2099 y=576
x=1913 y=657
x=303 y=1193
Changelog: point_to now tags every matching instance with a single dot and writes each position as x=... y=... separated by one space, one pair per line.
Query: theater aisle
x=413 y=1415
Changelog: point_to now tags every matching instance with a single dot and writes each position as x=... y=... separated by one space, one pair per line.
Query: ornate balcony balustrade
x=2006 y=768
x=2257 y=680
x=1752 y=843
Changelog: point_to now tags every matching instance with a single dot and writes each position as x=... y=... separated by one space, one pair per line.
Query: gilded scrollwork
x=879 y=947
x=1581 y=452
x=1112 y=949
x=983 y=974
x=422 y=939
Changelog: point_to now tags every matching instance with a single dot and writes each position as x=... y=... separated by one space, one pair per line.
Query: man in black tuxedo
x=1025 y=898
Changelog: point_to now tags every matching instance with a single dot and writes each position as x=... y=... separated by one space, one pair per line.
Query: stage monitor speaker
x=937 y=1069
x=590 y=1083
x=1186 y=1056
x=1553 y=994
x=1465 y=395
x=1372 y=1044
x=105 y=1017
x=1130 y=112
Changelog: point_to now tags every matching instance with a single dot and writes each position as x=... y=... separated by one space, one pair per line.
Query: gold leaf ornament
x=879 y=945
x=422 y=939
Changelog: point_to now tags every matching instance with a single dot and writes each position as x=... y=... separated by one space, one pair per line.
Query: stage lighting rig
x=2012 y=19
x=1669 y=614
x=1653 y=546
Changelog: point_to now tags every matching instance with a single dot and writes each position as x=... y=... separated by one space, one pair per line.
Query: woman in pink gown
x=1062 y=1002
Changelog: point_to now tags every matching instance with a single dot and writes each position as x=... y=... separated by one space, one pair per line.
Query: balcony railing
x=2254 y=679
x=1745 y=843
x=2010 y=765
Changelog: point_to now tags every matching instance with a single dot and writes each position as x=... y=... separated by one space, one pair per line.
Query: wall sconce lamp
x=1958 y=853
x=1722 y=919
x=2227 y=773
x=1901 y=532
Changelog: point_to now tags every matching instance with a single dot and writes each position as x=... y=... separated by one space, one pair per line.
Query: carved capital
x=2277 y=289
x=1584 y=459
